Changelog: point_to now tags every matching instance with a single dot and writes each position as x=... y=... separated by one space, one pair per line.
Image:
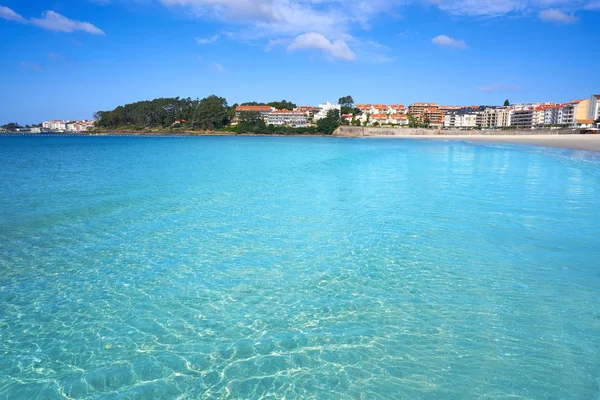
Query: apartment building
x=399 y=119
x=489 y=118
x=398 y=108
x=566 y=114
x=445 y=109
x=263 y=110
x=523 y=118
x=418 y=109
x=55 y=125
x=434 y=115
x=324 y=109
x=364 y=108
x=381 y=119
x=380 y=109
x=464 y=118
x=294 y=119
x=309 y=111
x=504 y=118
x=594 y=107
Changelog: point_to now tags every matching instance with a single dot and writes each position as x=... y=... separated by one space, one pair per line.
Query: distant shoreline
x=564 y=141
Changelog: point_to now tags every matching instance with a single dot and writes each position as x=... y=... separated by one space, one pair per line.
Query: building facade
x=594 y=107
x=418 y=109
x=461 y=119
x=295 y=119
x=325 y=108
x=523 y=118
x=309 y=111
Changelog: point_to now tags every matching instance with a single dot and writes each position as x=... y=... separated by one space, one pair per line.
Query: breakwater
x=358 y=131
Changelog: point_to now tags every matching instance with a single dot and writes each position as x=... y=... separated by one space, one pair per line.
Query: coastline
x=563 y=141
x=573 y=142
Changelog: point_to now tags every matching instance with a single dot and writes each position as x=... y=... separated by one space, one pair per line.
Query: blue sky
x=66 y=59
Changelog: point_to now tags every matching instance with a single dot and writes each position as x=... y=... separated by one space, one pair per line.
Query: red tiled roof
x=253 y=108
x=380 y=116
x=399 y=116
x=287 y=112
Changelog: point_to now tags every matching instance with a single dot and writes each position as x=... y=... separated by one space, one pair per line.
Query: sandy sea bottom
x=187 y=268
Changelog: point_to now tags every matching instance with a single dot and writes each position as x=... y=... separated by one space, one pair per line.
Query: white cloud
x=498 y=87
x=554 y=15
x=9 y=15
x=216 y=67
x=369 y=50
x=443 y=40
x=481 y=8
x=496 y=8
x=207 y=40
x=265 y=18
x=283 y=20
x=55 y=22
x=34 y=67
x=316 y=41
x=274 y=43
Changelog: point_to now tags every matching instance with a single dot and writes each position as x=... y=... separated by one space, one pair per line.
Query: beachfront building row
x=381 y=108
x=528 y=116
x=367 y=119
x=271 y=116
x=297 y=118
x=68 y=126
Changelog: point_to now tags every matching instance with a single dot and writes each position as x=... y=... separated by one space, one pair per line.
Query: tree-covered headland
x=208 y=114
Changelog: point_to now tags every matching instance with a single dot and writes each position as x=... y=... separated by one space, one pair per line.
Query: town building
x=325 y=108
x=489 y=118
x=504 y=118
x=398 y=108
x=434 y=116
x=55 y=125
x=566 y=114
x=364 y=108
x=381 y=109
x=399 y=119
x=68 y=126
x=381 y=119
x=465 y=118
x=594 y=107
x=263 y=110
x=309 y=111
x=550 y=115
x=347 y=117
x=445 y=109
x=418 y=109
x=523 y=118
x=295 y=119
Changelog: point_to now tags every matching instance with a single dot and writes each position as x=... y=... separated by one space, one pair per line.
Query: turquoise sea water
x=188 y=268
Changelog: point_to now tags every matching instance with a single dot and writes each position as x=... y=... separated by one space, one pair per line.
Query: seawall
x=358 y=131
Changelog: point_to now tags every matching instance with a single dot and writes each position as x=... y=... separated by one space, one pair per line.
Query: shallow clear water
x=163 y=268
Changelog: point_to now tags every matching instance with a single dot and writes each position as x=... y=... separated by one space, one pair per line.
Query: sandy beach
x=576 y=142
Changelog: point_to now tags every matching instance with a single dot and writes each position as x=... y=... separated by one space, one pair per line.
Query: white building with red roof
x=399 y=119
x=295 y=119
